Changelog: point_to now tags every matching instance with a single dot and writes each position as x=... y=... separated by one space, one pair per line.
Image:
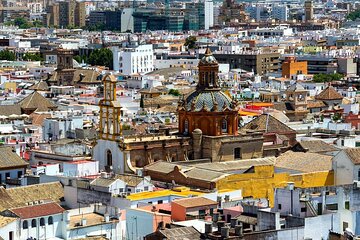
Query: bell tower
x=65 y=68
x=208 y=72
x=110 y=111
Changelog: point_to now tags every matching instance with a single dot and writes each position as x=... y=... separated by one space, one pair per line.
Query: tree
x=7 y=55
x=353 y=15
x=190 y=42
x=323 y=78
x=22 y=23
x=174 y=92
x=32 y=57
x=103 y=57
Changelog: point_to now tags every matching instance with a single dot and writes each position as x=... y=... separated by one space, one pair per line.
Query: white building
x=346 y=166
x=279 y=31
x=209 y=14
x=131 y=60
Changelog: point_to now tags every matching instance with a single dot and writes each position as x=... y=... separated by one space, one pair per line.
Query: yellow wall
x=263 y=181
x=10 y=86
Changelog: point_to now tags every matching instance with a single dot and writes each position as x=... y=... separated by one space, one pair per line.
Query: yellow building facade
x=263 y=180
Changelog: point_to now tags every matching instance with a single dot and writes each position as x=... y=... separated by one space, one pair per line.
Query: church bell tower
x=110 y=111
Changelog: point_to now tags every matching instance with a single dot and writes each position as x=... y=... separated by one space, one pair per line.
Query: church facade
x=208 y=129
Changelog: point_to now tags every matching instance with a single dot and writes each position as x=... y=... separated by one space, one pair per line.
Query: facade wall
x=217 y=150
x=111 y=231
x=262 y=182
x=318 y=227
x=343 y=169
x=100 y=154
x=12 y=173
x=42 y=232
x=6 y=230
x=293 y=68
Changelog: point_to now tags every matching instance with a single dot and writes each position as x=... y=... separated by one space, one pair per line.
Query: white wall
x=99 y=154
x=343 y=169
x=11 y=227
x=41 y=232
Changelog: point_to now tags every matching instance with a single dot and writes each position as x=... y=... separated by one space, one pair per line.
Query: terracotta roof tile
x=7 y=110
x=329 y=93
x=194 y=202
x=36 y=101
x=353 y=154
x=19 y=196
x=316 y=104
x=304 y=162
x=9 y=159
x=318 y=146
x=38 y=210
x=267 y=123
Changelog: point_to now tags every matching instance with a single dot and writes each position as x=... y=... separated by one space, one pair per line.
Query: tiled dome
x=214 y=101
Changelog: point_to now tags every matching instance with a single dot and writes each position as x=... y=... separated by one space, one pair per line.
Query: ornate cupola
x=208 y=108
x=208 y=72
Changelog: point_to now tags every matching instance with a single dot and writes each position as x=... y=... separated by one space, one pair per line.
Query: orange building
x=292 y=67
x=208 y=108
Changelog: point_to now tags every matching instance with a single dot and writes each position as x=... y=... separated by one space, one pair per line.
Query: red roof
x=38 y=210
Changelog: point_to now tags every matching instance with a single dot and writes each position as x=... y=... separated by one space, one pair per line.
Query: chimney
x=233 y=222
x=208 y=228
x=107 y=217
x=83 y=221
x=220 y=224
x=239 y=230
x=225 y=232
x=216 y=217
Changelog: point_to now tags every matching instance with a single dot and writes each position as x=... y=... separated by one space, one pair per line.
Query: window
x=303 y=209
x=279 y=206
x=345 y=225
x=160 y=201
x=109 y=158
x=146 y=188
x=50 y=220
x=25 y=224
x=224 y=126
x=19 y=174
x=7 y=175
x=347 y=205
x=237 y=153
x=129 y=189
x=359 y=175
x=42 y=222
x=186 y=126
x=33 y=223
x=121 y=189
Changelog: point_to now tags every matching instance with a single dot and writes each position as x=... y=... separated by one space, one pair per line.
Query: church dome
x=214 y=101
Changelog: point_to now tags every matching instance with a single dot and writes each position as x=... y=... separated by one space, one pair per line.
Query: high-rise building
x=280 y=12
x=72 y=13
x=80 y=14
x=309 y=10
x=51 y=17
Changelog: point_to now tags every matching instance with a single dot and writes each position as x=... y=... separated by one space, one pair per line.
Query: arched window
x=25 y=224
x=33 y=223
x=50 y=220
x=186 y=126
x=42 y=222
x=224 y=126
x=109 y=158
